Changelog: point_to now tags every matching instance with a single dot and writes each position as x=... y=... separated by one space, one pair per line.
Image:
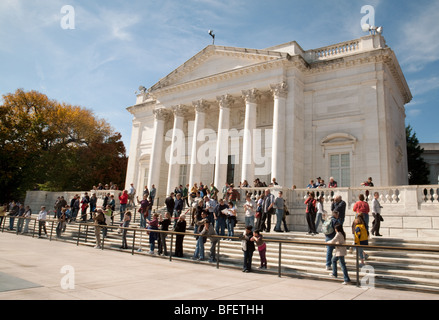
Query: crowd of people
x=211 y=213
x=332 y=227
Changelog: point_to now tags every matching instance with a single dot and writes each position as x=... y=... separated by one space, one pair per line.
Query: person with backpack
x=311 y=213
x=328 y=228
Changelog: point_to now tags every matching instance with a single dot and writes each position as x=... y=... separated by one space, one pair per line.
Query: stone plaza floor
x=39 y=269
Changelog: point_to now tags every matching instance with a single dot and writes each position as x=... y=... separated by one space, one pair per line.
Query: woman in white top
x=320 y=212
x=340 y=253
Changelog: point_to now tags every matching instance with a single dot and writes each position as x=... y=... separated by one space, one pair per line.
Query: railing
x=138 y=233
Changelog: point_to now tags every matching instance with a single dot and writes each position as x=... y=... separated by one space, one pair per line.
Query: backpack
x=327 y=227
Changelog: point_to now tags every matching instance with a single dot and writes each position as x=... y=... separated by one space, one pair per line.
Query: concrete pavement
x=39 y=269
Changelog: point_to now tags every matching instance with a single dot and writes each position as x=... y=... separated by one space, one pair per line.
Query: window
x=183 y=175
x=340 y=169
x=231 y=169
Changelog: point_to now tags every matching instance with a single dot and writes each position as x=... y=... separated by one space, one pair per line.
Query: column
x=279 y=92
x=222 y=145
x=177 y=148
x=160 y=116
x=248 y=165
x=200 y=107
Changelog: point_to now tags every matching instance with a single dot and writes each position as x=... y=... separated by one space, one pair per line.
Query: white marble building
x=232 y=114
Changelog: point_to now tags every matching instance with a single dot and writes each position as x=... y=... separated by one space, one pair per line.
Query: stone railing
x=333 y=51
x=408 y=211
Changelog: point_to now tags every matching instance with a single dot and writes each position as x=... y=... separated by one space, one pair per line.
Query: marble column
x=248 y=166
x=160 y=115
x=279 y=92
x=222 y=145
x=177 y=142
x=200 y=107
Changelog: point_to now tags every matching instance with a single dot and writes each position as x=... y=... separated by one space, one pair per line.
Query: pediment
x=214 y=60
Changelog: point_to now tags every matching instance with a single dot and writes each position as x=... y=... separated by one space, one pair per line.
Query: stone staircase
x=305 y=258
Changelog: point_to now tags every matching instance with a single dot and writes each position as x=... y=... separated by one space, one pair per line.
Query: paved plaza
x=39 y=269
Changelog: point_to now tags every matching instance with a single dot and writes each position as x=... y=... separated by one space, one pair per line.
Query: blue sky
x=117 y=45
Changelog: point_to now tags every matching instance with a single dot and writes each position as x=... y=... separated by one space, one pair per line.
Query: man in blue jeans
x=329 y=249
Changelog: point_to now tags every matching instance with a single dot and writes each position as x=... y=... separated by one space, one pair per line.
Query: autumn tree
x=54 y=146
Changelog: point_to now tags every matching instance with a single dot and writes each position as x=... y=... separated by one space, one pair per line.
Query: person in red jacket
x=123 y=199
x=311 y=213
x=362 y=206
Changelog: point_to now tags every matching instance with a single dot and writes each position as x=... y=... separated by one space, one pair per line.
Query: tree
x=54 y=146
x=417 y=167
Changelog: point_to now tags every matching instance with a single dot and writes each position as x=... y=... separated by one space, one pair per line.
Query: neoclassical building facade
x=232 y=114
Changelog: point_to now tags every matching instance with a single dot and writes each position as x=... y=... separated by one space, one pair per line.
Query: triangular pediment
x=214 y=60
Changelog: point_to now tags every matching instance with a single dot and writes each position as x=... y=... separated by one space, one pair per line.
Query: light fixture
x=372 y=29
x=212 y=35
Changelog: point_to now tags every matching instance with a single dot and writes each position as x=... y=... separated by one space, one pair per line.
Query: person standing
x=170 y=204
x=178 y=207
x=93 y=203
x=20 y=216
x=220 y=217
x=42 y=216
x=99 y=221
x=180 y=227
x=362 y=206
x=361 y=238
x=143 y=210
x=248 y=247
x=310 y=203
x=262 y=248
x=152 y=194
x=131 y=194
x=125 y=224
x=279 y=205
x=340 y=253
x=231 y=220
x=164 y=226
x=13 y=212
x=123 y=201
x=250 y=210
x=329 y=235
x=84 y=206
x=320 y=212
x=339 y=205
x=267 y=210
x=376 y=213
x=27 y=216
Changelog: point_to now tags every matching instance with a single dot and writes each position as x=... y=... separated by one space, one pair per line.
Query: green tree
x=54 y=146
x=417 y=167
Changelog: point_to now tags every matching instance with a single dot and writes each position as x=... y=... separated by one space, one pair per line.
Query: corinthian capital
x=201 y=105
x=179 y=110
x=279 y=90
x=251 y=95
x=225 y=101
x=161 y=113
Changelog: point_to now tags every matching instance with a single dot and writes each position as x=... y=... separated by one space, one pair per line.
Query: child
x=361 y=237
x=262 y=248
x=340 y=253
